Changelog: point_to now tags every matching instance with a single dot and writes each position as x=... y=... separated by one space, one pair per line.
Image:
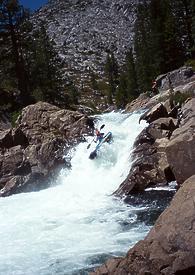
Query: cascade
x=76 y=224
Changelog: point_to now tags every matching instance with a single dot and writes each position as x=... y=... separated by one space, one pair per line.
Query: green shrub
x=38 y=95
x=191 y=62
x=14 y=116
x=180 y=98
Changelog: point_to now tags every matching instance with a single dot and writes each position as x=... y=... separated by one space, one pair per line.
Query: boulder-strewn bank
x=163 y=152
x=31 y=152
x=169 y=248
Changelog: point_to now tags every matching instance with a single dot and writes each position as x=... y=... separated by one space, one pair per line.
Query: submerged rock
x=169 y=248
x=32 y=151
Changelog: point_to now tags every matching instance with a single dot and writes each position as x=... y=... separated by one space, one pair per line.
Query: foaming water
x=76 y=225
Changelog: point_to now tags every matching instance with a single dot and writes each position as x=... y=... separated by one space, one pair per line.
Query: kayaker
x=99 y=135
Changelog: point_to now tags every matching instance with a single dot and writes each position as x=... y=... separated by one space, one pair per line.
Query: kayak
x=106 y=138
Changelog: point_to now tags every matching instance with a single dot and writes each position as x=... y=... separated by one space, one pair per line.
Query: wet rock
x=181 y=148
x=32 y=152
x=169 y=248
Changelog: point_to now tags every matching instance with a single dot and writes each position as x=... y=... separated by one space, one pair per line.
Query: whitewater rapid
x=76 y=224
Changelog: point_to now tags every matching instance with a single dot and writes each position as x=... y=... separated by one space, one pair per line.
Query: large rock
x=158 y=111
x=34 y=150
x=162 y=127
x=181 y=148
x=150 y=166
x=149 y=160
x=175 y=78
x=143 y=101
x=169 y=248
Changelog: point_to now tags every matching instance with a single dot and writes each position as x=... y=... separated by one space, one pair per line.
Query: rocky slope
x=85 y=30
x=164 y=151
x=33 y=151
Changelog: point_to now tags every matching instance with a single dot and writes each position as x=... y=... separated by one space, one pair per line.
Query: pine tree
x=44 y=66
x=131 y=76
x=183 y=13
x=29 y=63
x=173 y=49
x=11 y=16
x=143 y=56
x=127 y=89
x=158 y=42
x=122 y=92
x=94 y=82
x=111 y=70
x=193 y=30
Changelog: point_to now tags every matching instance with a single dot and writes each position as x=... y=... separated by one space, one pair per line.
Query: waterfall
x=76 y=224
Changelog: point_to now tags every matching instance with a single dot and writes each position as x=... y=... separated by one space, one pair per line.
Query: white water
x=76 y=224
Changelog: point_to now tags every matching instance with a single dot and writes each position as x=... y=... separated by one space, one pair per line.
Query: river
x=76 y=224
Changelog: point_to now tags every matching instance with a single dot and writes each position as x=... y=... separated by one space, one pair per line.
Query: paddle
x=89 y=145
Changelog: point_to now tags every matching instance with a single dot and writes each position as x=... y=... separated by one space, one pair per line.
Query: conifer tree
x=28 y=61
x=193 y=29
x=158 y=42
x=183 y=12
x=111 y=70
x=46 y=78
x=11 y=16
x=94 y=82
x=127 y=89
x=172 y=44
x=143 y=56
x=122 y=92
x=131 y=76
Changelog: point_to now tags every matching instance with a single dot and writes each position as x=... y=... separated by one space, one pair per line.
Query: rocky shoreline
x=164 y=151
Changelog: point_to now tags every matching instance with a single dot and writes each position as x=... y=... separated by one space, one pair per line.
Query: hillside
x=84 y=31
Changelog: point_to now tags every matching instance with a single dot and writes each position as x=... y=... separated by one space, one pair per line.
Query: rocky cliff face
x=85 y=30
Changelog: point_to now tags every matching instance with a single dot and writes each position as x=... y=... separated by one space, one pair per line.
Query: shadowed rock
x=181 y=148
x=169 y=248
x=156 y=112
